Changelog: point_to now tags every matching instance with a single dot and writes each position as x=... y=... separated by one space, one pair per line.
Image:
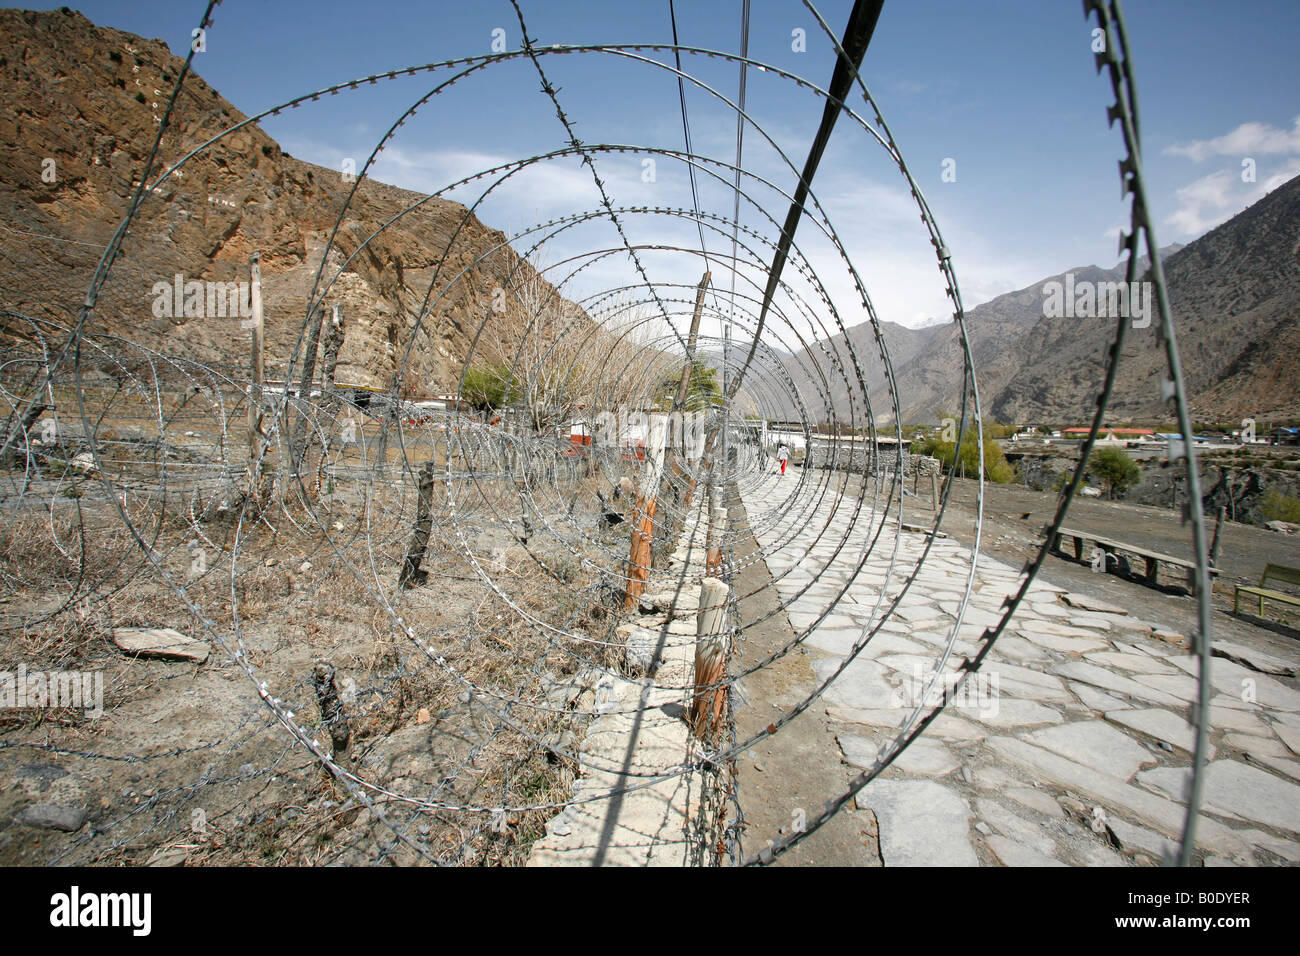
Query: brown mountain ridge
x=1235 y=295
x=80 y=104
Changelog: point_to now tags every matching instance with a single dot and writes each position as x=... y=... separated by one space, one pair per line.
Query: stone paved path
x=1072 y=745
x=616 y=819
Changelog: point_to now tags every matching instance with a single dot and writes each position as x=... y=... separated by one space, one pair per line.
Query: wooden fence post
x=712 y=643
x=638 y=568
x=675 y=487
x=330 y=358
x=332 y=713
x=713 y=540
x=412 y=573
x=329 y=399
x=638 y=564
x=256 y=445
x=304 y=390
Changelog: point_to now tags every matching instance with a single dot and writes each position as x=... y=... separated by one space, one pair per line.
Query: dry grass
x=290 y=614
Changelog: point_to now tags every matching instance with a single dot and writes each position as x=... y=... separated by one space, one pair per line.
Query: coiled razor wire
x=145 y=476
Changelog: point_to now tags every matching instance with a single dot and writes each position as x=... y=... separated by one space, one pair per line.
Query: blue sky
x=1004 y=88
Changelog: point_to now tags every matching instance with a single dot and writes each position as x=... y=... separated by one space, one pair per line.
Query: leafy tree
x=999 y=430
x=486 y=387
x=996 y=467
x=702 y=392
x=1115 y=469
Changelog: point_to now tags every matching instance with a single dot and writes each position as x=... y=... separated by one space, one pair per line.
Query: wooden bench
x=1109 y=546
x=1276 y=572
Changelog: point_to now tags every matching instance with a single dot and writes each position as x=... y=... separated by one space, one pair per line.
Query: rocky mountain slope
x=1235 y=294
x=78 y=115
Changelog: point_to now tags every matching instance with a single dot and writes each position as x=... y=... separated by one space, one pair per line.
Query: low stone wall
x=857 y=456
x=1163 y=484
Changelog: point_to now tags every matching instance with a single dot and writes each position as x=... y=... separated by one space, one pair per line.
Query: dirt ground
x=188 y=765
x=1014 y=518
x=800 y=767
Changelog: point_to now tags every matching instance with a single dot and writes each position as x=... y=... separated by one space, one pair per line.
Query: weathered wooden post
x=304 y=390
x=677 y=487
x=713 y=538
x=638 y=565
x=1217 y=543
x=256 y=444
x=332 y=712
x=712 y=644
x=329 y=399
x=412 y=573
x=330 y=360
x=638 y=568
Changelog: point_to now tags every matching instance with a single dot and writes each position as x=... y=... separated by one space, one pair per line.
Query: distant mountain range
x=1235 y=295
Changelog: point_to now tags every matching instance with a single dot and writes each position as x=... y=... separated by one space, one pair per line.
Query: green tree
x=486 y=387
x=702 y=392
x=1115 y=469
x=999 y=430
x=996 y=467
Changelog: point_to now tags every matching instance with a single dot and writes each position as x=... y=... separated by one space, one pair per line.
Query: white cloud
x=1247 y=139
x=877 y=222
x=1206 y=202
x=1216 y=197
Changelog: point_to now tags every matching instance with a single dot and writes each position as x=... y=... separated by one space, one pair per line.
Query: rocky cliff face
x=1235 y=295
x=80 y=112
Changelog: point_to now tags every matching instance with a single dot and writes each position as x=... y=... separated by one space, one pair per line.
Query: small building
x=1110 y=435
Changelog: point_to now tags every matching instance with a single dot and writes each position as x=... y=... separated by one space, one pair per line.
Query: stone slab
x=1238 y=789
x=1011 y=853
x=1158 y=812
x=1095 y=744
x=923 y=756
x=1010 y=712
x=1099 y=676
x=160 y=643
x=1254 y=659
x=1162 y=725
x=1014 y=827
x=921 y=823
x=1086 y=602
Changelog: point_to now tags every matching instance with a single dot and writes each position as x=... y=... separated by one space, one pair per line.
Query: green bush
x=1275 y=506
x=1115 y=469
x=996 y=467
x=486 y=386
x=998 y=430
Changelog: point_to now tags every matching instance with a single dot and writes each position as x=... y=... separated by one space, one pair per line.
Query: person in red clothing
x=782 y=455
